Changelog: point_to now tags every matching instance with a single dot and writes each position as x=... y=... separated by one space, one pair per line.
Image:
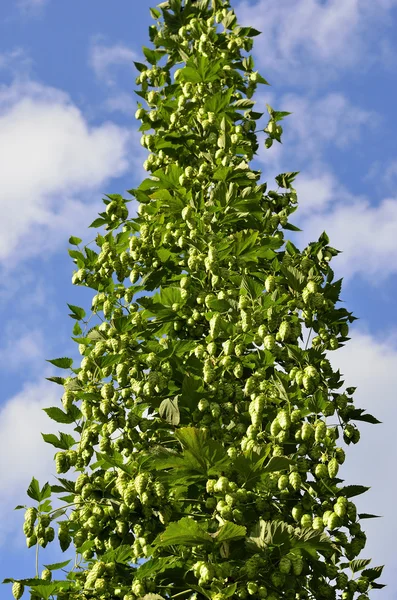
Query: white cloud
x=310 y=41
x=21 y=424
x=121 y=102
x=366 y=234
x=50 y=156
x=102 y=57
x=313 y=125
x=369 y=364
x=21 y=347
x=329 y=119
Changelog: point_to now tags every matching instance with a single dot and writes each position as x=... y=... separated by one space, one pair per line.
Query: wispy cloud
x=21 y=422
x=365 y=233
x=103 y=58
x=369 y=364
x=311 y=41
x=49 y=156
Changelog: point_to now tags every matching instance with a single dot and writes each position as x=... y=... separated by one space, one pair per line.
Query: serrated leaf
x=359 y=564
x=61 y=363
x=266 y=533
x=56 y=414
x=220 y=306
x=33 y=490
x=99 y=222
x=109 y=360
x=58 y=380
x=169 y=411
x=44 y=591
x=158 y=565
x=277 y=463
x=353 y=490
x=186 y=532
x=55 y=566
x=229 y=532
x=373 y=573
x=64 y=442
x=77 y=312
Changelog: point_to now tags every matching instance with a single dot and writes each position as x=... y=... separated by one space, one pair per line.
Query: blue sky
x=68 y=136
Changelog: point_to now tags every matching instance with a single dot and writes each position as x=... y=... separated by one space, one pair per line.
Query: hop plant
x=201 y=435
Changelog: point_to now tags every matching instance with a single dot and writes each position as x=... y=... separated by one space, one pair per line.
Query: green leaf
x=55 y=566
x=64 y=442
x=109 y=360
x=77 y=312
x=229 y=532
x=45 y=590
x=56 y=414
x=368 y=516
x=267 y=533
x=61 y=363
x=58 y=380
x=220 y=306
x=285 y=180
x=33 y=490
x=169 y=411
x=99 y=222
x=206 y=451
x=75 y=241
x=45 y=492
x=372 y=573
x=353 y=490
x=153 y=56
x=277 y=463
x=78 y=257
x=186 y=532
x=158 y=565
x=359 y=564
x=77 y=329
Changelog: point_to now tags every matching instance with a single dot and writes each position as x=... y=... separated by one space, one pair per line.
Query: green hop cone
x=284 y=330
x=306 y=521
x=269 y=342
x=318 y=524
x=297 y=512
x=284 y=565
x=297 y=565
x=270 y=283
x=46 y=575
x=278 y=579
x=62 y=462
x=342 y=581
x=333 y=521
x=17 y=590
x=321 y=471
x=295 y=481
x=284 y=419
x=282 y=482
x=307 y=431
x=333 y=468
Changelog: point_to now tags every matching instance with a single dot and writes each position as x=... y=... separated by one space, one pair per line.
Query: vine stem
x=37 y=559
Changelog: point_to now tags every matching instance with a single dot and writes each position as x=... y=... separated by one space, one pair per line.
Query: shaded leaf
x=169 y=410
x=353 y=490
x=229 y=532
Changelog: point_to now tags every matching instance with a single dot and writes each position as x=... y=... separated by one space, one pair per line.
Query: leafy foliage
x=206 y=464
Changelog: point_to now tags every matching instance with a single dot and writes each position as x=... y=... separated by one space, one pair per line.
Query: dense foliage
x=209 y=430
